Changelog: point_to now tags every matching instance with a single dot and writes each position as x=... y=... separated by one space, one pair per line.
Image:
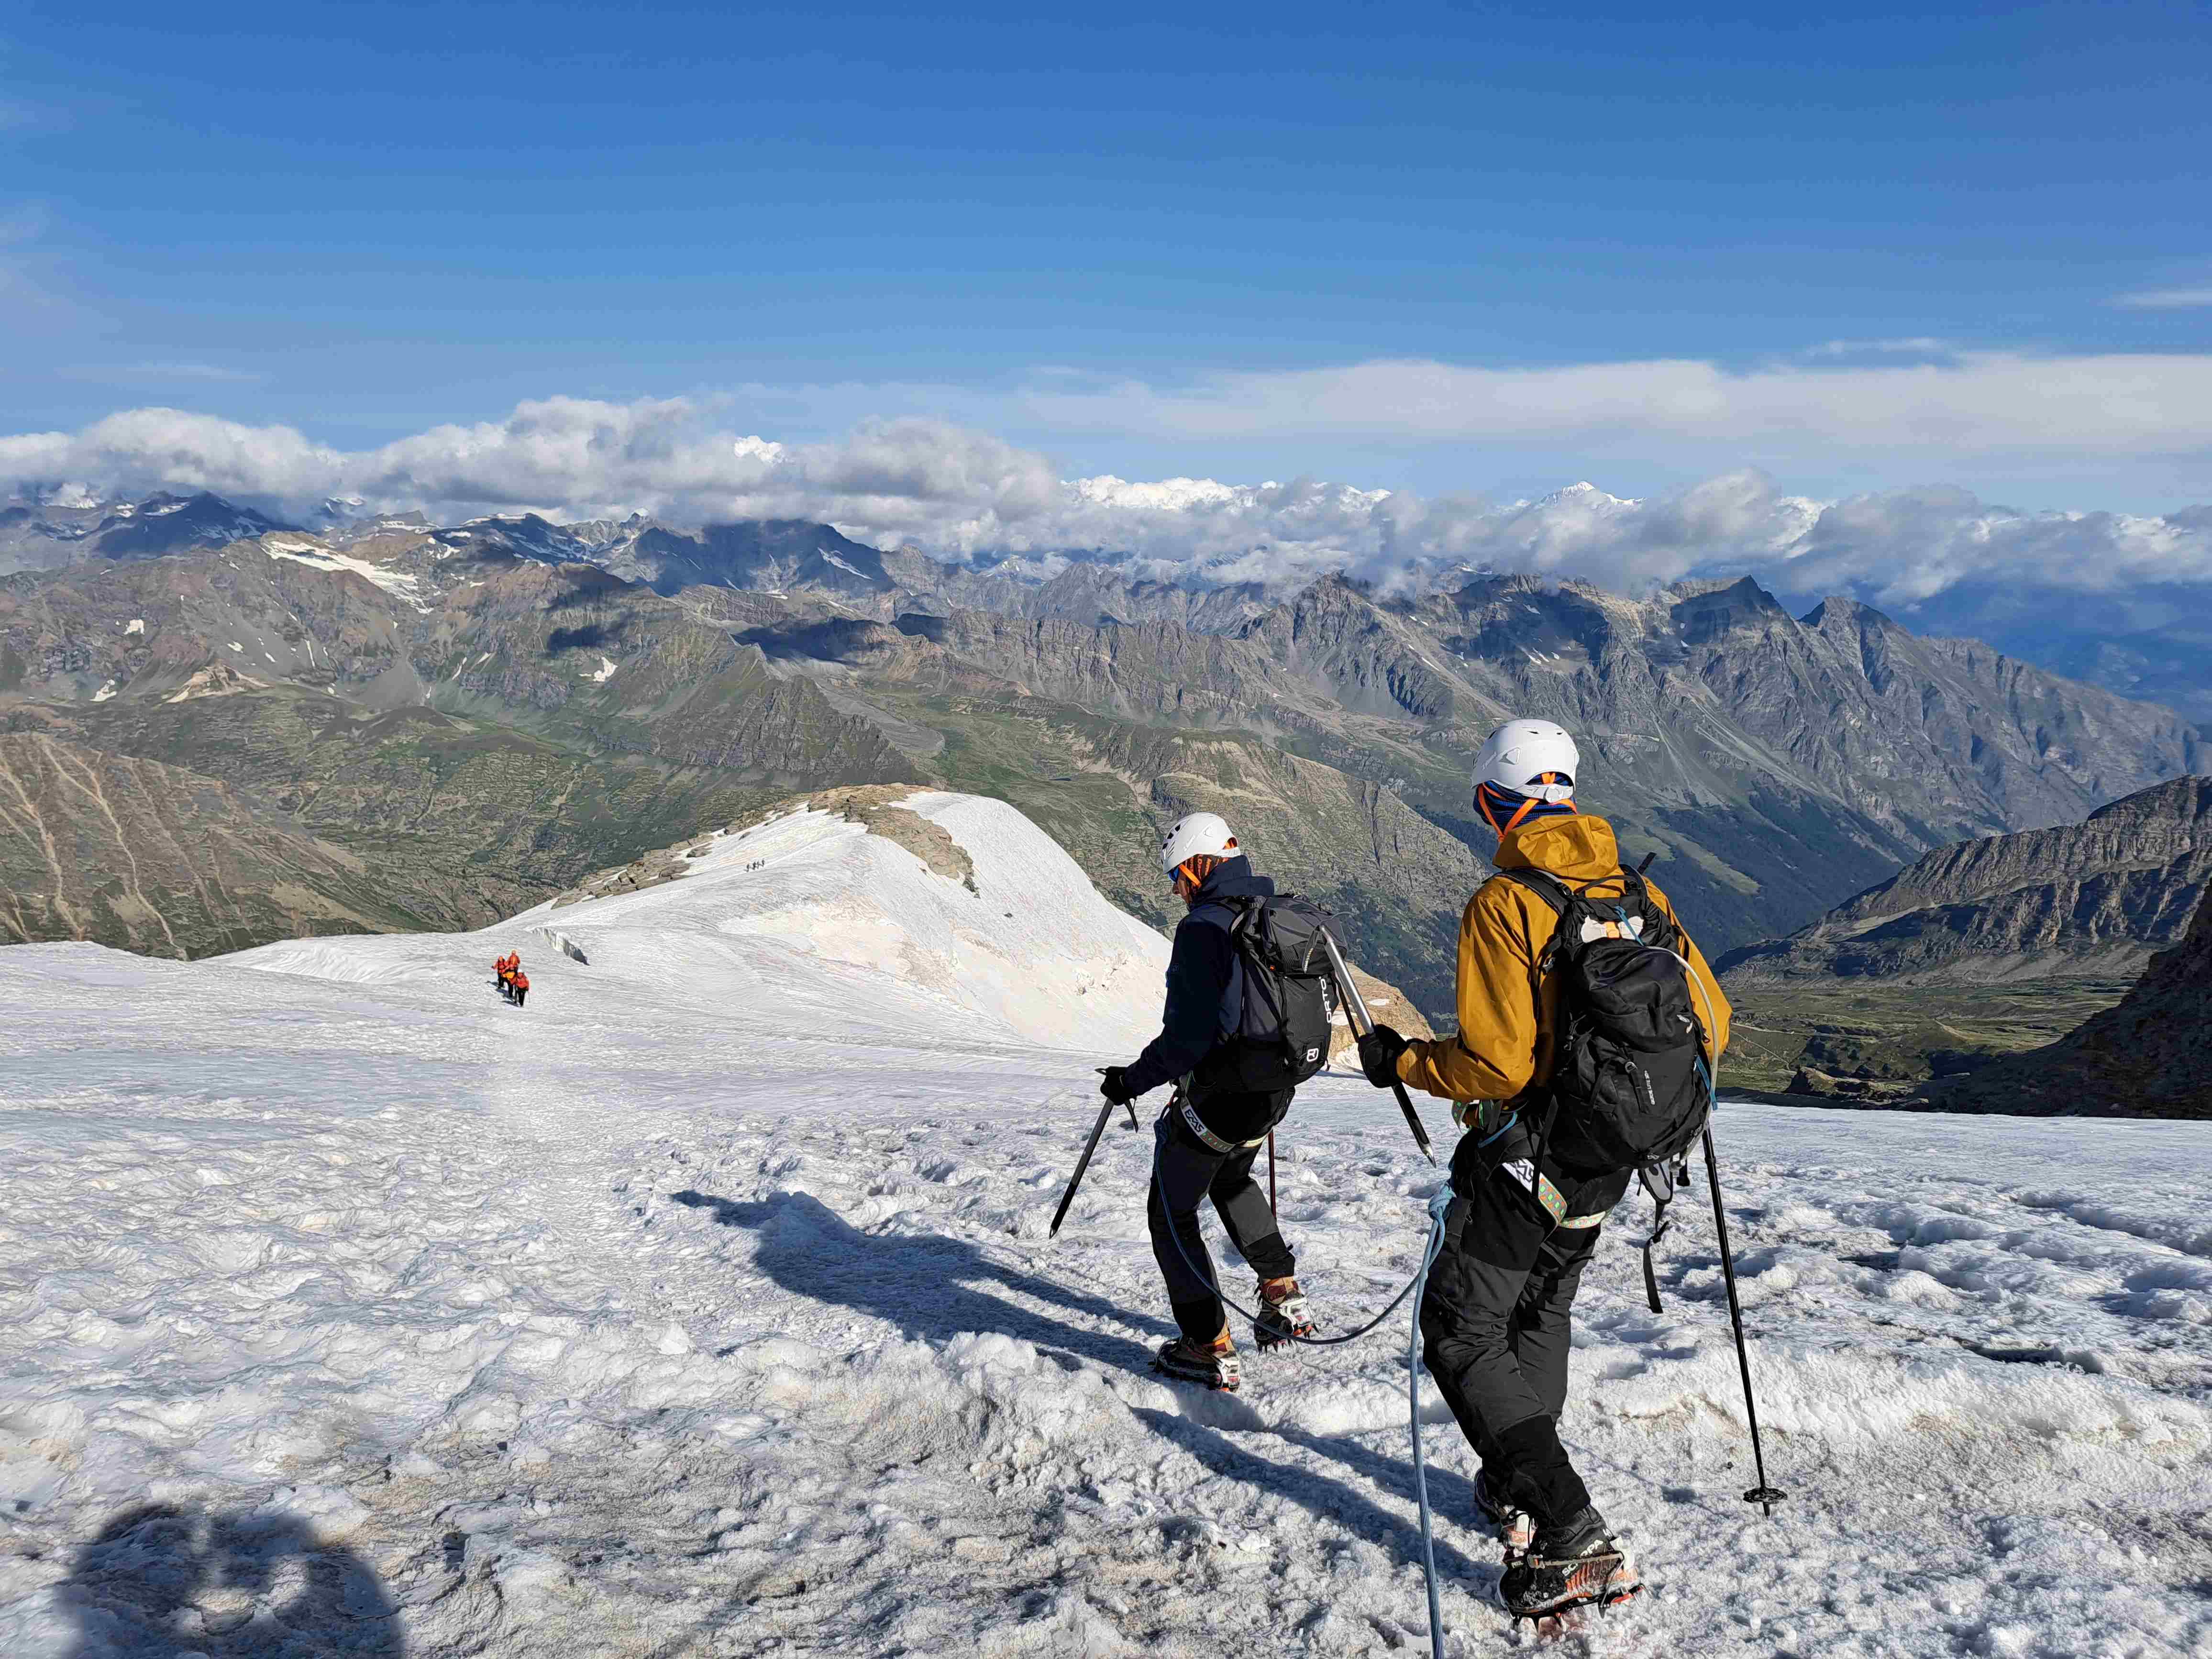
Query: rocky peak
x=1703 y=618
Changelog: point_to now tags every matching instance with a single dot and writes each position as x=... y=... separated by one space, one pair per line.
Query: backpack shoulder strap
x=1543 y=883
x=1563 y=898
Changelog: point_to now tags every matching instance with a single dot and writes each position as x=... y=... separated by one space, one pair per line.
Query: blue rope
x=1439 y=1202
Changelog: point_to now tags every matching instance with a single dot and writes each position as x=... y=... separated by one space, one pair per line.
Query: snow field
x=705 y=1307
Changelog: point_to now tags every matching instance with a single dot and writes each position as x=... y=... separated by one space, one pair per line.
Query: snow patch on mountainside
x=316 y=556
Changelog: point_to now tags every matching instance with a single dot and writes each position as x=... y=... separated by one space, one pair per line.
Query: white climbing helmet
x=1195 y=834
x=1520 y=752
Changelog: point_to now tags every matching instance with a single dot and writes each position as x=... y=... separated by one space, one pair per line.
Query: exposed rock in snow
x=567 y=946
x=216 y=680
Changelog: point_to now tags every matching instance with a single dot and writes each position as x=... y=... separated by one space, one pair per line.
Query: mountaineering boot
x=1211 y=1363
x=1514 y=1528
x=1283 y=1313
x=1573 y=1564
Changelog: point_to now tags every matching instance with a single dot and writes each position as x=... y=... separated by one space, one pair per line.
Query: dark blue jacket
x=1205 y=981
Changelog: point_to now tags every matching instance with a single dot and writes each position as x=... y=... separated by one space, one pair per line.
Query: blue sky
x=1149 y=243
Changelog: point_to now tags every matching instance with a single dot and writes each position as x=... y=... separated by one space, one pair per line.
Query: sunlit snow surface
x=705 y=1306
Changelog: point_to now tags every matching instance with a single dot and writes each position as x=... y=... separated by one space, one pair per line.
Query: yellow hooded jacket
x=1505 y=1033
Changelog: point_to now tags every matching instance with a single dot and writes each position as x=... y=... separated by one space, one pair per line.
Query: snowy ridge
x=837 y=927
x=705 y=1307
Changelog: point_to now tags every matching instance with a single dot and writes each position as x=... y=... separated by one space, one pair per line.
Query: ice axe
x=1084 y=1163
x=1355 y=1011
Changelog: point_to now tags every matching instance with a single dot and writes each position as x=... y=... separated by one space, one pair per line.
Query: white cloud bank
x=1964 y=403
x=954 y=489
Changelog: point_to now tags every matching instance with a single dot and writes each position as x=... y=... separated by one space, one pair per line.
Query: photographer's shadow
x=162 y=1582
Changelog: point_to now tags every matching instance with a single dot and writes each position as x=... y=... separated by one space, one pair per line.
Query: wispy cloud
x=159 y=373
x=1918 y=345
x=2166 y=299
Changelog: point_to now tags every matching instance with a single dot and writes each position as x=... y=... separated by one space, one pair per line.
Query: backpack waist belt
x=1192 y=1120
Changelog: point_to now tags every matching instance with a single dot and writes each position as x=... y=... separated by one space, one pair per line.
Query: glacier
x=705 y=1307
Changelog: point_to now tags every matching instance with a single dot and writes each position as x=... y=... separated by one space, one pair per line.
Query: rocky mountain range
x=527 y=700
x=2149 y=1056
x=2096 y=899
x=42 y=535
x=129 y=852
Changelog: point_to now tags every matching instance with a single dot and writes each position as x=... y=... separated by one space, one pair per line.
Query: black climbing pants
x=1496 y=1320
x=1186 y=1170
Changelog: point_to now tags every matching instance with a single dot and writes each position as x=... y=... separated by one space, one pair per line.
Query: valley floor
x=379 y=1318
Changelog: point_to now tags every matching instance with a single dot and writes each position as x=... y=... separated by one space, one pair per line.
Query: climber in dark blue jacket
x=1207 y=1137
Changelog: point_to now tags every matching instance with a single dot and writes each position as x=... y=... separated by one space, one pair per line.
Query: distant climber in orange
x=518 y=986
x=509 y=968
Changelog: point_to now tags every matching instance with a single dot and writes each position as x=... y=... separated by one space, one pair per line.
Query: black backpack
x=1289 y=997
x=1629 y=1087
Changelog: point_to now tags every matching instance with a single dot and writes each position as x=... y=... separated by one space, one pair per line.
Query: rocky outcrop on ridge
x=2098 y=898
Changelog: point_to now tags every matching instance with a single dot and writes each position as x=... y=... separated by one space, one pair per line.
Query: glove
x=1111 y=1085
x=1378 y=1055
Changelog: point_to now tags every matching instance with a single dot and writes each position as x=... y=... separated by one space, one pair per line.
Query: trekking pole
x=1762 y=1494
x=1361 y=1024
x=1271 y=1172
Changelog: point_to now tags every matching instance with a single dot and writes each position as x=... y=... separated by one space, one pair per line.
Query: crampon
x=1212 y=1366
x=1572 y=1565
x=1285 y=1314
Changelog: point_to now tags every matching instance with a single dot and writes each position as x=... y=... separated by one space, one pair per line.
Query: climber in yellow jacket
x=1496 y=1318
x=1506 y=1035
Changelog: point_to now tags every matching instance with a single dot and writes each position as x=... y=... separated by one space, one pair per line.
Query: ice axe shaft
x=1763 y=1495
x=1355 y=1011
x=1081 y=1165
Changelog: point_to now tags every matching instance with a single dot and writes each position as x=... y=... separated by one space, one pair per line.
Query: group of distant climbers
x=513 y=983
x=1589 y=1026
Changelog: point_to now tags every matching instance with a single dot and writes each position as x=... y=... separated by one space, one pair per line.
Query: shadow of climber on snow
x=926 y=1287
x=162 y=1581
